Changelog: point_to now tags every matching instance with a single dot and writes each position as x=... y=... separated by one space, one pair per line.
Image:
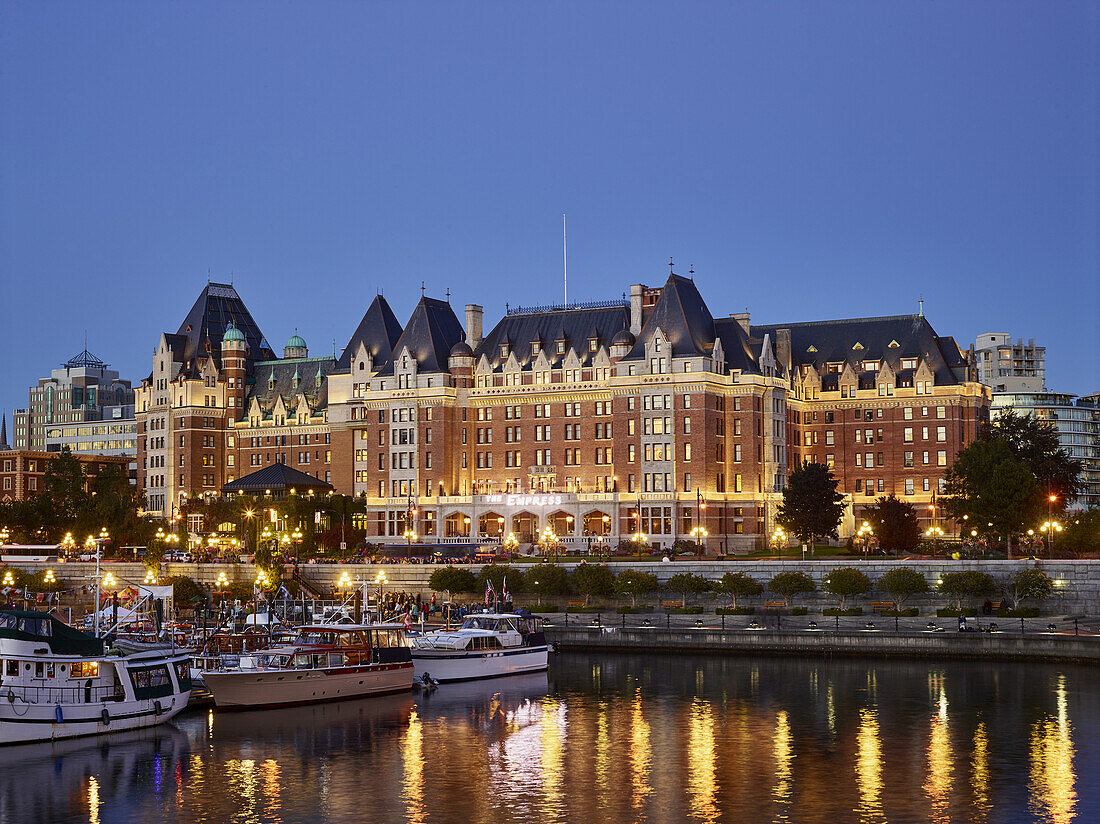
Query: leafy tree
x=1035 y=443
x=961 y=585
x=593 y=579
x=900 y=583
x=496 y=574
x=687 y=584
x=1030 y=583
x=787 y=585
x=186 y=591
x=548 y=579
x=895 y=524
x=62 y=499
x=811 y=505
x=634 y=582
x=451 y=579
x=737 y=585
x=1081 y=535
x=846 y=583
x=989 y=485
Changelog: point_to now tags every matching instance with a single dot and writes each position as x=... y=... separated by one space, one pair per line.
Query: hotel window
x=941 y=411
x=907 y=434
x=909 y=486
x=736 y=453
x=941 y=433
x=941 y=458
x=687 y=452
x=908 y=413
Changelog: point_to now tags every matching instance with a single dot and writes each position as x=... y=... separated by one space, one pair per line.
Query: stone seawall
x=1077 y=583
x=995 y=646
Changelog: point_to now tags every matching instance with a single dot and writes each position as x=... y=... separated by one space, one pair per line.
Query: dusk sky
x=810 y=160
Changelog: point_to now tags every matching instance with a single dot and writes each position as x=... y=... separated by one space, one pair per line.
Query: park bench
x=774 y=605
x=996 y=604
x=882 y=605
x=576 y=602
x=672 y=604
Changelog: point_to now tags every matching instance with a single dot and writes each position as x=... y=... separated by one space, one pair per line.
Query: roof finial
x=421 y=288
x=921 y=302
x=670 y=266
x=448 y=293
x=207 y=275
x=691 y=270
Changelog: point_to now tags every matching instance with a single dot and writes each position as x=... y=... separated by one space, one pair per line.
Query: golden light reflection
x=93 y=800
x=937 y=784
x=980 y=781
x=869 y=768
x=1052 y=786
x=241 y=776
x=640 y=754
x=269 y=772
x=603 y=749
x=412 y=790
x=783 y=758
x=553 y=759
x=701 y=775
x=830 y=708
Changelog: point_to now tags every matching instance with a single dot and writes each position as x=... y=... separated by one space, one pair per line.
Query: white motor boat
x=58 y=682
x=487 y=645
x=326 y=662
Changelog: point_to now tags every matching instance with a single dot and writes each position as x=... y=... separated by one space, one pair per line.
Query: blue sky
x=811 y=160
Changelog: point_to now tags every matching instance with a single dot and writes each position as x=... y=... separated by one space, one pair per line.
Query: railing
x=60 y=695
x=557 y=307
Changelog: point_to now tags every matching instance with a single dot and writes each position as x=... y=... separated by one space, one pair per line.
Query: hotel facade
x=596 y=420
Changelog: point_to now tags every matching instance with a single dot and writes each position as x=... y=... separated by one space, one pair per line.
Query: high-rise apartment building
x=1007 y=365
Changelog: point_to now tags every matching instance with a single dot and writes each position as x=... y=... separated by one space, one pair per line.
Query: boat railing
x=14 y=693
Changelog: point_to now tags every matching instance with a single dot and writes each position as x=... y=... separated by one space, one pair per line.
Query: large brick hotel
x=598 y=420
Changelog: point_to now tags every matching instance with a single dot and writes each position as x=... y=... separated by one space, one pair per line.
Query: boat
x=487 y=645
x=58 y=682
x=325 y=662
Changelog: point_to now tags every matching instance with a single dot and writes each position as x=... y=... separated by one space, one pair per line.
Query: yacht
x=487 y=645
x=58 y=682
x=325 y=662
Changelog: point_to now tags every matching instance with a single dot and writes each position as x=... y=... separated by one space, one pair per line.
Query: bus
x=29 y=553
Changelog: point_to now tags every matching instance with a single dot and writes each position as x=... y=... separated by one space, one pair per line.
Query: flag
x=408 y=620
x=504 y=589
x=488 y=592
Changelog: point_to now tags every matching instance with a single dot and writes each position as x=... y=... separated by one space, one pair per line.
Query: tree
x=62 y=499
x=1035 y=443
x=961 y=585
x=633 y=582
x=900 y=583
x=811 y=506
x=496 y=575
x=687 y=584
x=1030 y=583
x=186 y=591
x=593 y=579
x=451 y=579
x=1081 y=535
x=787 y=585
x=737 y=585
x=846 y=583
x=548 y=579
x=895 y=524
x=989 y=485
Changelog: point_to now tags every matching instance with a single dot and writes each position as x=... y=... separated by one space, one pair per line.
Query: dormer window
x=561 y=347
x=271 y=383
x=536 y=347
x=857 y=346
x=657 y=345
x=870 y=366
x=593 y=344
x=504 y=350
x=908 y=363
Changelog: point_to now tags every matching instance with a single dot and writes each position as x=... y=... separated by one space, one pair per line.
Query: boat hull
x=22 y=723
x=460 y=665
x=255 y=689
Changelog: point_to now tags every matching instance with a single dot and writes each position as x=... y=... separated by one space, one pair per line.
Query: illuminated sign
x=525 y=500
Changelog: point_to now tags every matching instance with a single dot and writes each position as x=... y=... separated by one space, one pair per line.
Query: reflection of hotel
x=596 y=420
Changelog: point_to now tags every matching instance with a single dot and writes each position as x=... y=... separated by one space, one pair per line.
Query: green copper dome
x=232 y=333
x=296 y=342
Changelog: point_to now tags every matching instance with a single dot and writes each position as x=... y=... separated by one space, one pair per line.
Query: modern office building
x=595 y=420
x=1007 y=365
x=1077 y=422
x=78 y=392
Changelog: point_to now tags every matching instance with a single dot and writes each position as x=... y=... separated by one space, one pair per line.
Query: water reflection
x=608 y=739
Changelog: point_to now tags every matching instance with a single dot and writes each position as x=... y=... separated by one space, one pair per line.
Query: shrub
x=899 y=613
x=685 y=611
x=735 y=611
x=799 y=611
x=846 y=582
x=950 y=612
x=451 y=579
x=836 y=611
x=633 y=610
x=632 y=582
x=900 y=583
x=737 y=585
x=186 y=591
x=548 y=579
x=961 y=585
x=687 y=584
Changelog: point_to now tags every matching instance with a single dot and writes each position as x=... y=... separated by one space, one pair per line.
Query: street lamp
x=640 y=539
x=699 y=535
x=9 y=579
x=865 y=533
x=150 y=578
x=68 y=545
x=933 y=532
x=49 y=577
x=1051 y=527
x=779 y=540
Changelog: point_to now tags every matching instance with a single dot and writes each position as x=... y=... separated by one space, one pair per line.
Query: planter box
x=909 y=612
x=633 y=610
x=839 y=611
x=735 y=611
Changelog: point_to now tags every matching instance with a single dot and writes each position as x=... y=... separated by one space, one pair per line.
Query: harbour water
x=610 y=738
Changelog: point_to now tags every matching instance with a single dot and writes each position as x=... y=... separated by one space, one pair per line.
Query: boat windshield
x=490 y=623
x=315 y=638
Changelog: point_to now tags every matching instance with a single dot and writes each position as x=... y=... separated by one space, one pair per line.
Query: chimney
x=742 y=319
x=783 y=347
x=636 y=292
x=473 y=325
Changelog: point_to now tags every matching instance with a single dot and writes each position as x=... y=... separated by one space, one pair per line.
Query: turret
x=234 y=369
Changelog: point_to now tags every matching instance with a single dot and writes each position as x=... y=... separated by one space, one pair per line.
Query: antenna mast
x=564 y=260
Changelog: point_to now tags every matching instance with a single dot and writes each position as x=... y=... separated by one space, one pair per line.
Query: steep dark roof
x=833 y=340
x=736 y=346
x=217 y=306
x=379 y=330
x=431 y=333
x=682 y=315
x=575 y=326
x=283 y=372
x=278 y=478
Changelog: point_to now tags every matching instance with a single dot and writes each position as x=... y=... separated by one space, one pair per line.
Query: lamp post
x=297 y=536
x=640 y=539
x=933 y=532
x=779 y=540
x=1050 y=528
x=380 y=582
x=864 y=533
x=699 y=536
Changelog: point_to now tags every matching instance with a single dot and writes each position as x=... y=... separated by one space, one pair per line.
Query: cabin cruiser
x=485 y=646
x=58 y=682
x=325 y=662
